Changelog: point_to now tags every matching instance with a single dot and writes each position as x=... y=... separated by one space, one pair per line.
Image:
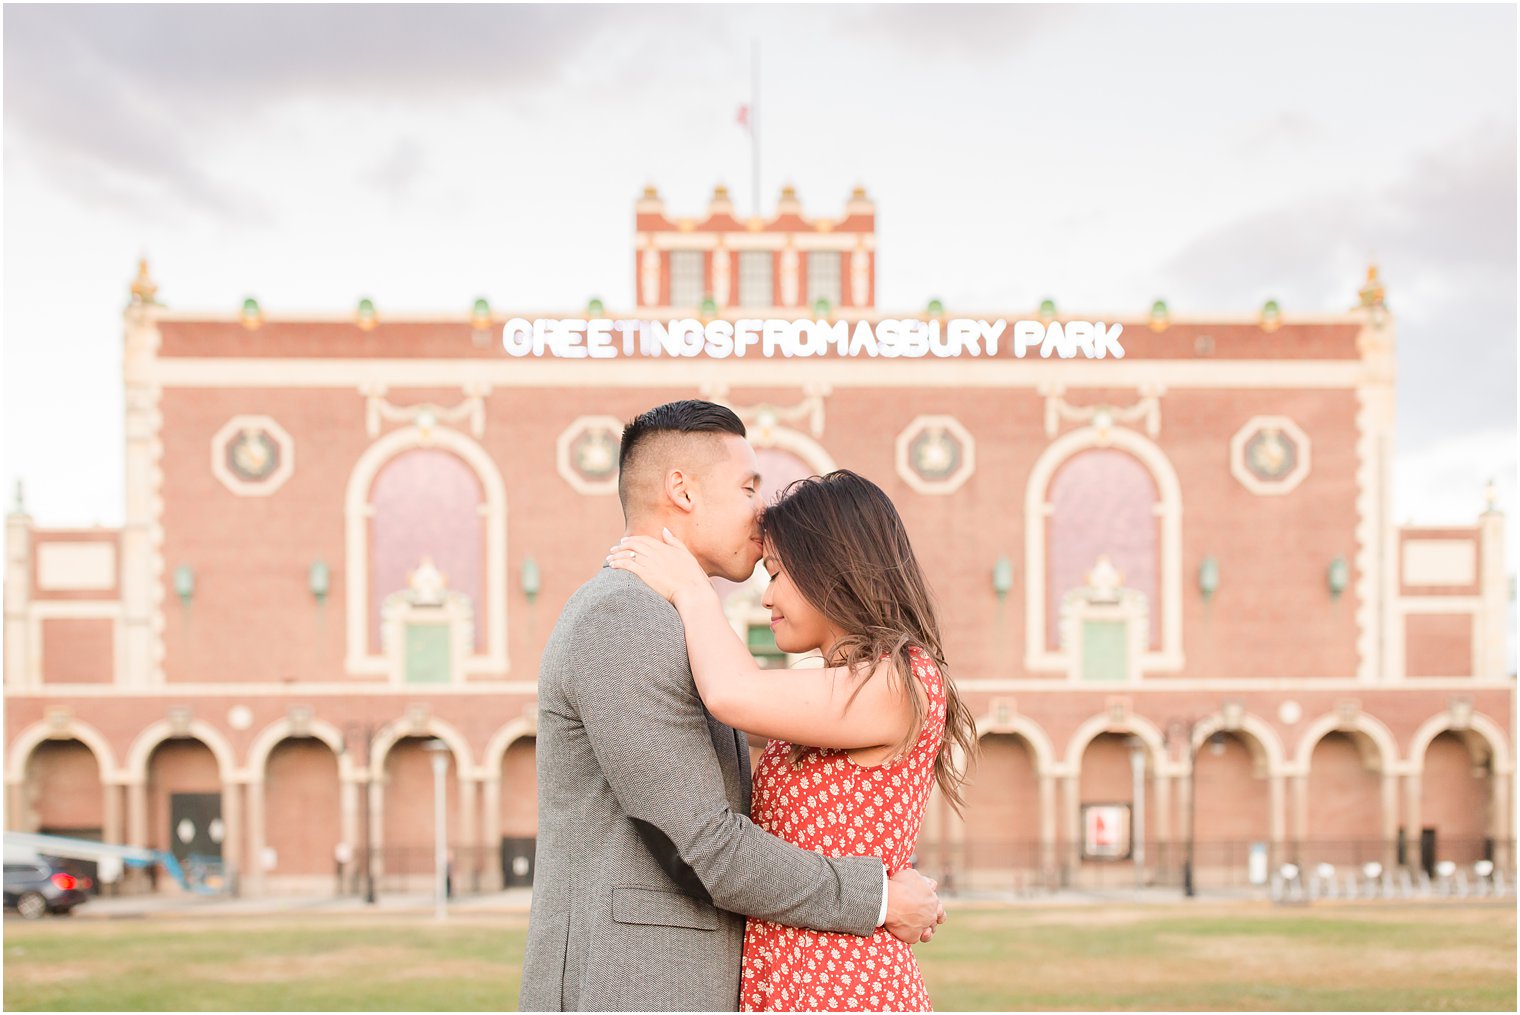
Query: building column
x=1414 y=794
x=111 y=825
x=1071 y=818
x=256 y=883
x=1390 y=819
x=234 y=864
x=1160 y=815
x=137 y=811
x=490 y=834
x=349 y=832
x=1503 y=820
x=17 y=595
x=1047 y=824
x=469 y=803
x=376 y=827
x=15 y=804
x=1277 y=819
x=1184 y=789
x=1493 y=616
x=952 y=838
x=1300 y=825
x=141 y=563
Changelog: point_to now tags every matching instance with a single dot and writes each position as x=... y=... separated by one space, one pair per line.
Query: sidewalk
x=127 y=907
x=516 y=901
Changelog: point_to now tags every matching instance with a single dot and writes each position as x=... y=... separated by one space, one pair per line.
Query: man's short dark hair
x=684 y=417
x=688 y=416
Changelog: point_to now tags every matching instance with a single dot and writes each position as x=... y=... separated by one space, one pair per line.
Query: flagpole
x=754 y=127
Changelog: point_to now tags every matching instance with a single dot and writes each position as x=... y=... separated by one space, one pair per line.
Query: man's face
x=725 y=526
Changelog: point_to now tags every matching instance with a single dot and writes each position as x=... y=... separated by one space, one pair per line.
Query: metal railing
x=1027 y=867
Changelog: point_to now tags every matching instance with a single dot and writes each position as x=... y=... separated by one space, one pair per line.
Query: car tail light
x=84 y=884
x=66 y=882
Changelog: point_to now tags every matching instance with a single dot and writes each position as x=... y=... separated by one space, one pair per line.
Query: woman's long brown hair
x=841 y=541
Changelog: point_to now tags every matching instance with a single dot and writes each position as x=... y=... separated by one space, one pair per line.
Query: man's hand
x=913 y=910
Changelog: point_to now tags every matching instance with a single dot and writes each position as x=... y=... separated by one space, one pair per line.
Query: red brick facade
x=1339 y=684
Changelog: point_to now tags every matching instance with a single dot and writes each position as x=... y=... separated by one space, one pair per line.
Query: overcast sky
x=1102 y=156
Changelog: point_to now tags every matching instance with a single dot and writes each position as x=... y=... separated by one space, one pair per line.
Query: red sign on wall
x=1105 y=831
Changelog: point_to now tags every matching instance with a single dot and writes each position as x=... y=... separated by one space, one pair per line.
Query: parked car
x=37 y=887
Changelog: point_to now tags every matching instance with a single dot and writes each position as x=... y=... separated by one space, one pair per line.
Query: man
x=647 y=864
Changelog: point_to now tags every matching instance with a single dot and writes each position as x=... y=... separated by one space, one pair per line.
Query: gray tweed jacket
x=646 y=859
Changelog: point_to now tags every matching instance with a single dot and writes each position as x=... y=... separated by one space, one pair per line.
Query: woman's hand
x=667 y=567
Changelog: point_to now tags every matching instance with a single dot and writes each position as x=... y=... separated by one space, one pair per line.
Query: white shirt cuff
x=881 y=918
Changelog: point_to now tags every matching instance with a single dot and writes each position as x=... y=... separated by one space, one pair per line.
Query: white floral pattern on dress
x=833 y=806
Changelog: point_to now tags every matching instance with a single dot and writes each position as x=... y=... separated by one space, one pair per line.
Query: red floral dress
x=838 y=808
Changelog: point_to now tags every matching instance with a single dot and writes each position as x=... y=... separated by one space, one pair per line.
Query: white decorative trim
x=285 y=729
x=1433 y=563
x=1332 y=722
x=1273 y=755
x=566 y=468
x=1019 y=724
x=252 y=488
x=675 y=239
x=761 y=419
x=69 y=566
x=28 y=739
x=1482 y=725
x=860 y=275
x=1437 y=604
x=393 y=732
x=1249 y=480
x=1130 y=609
x=1037 y=655
x=649 y=274
x=454 y=614
x=722 y=272
x=92 y=609
x=950 y=483
x=135 y=767
x=425 y=415
x=790 y=281
x=525 y=725
x=1141 y=727
x=373 y=687
x=1146 y=409
x=813 y=454
x=357 y=510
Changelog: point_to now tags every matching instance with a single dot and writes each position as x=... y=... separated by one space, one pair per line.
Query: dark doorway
x=1428 y=851
x=195 y=825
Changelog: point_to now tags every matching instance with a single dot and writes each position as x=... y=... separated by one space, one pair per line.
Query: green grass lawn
x=1121 y=957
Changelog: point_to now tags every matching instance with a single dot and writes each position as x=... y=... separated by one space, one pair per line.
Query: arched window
x=426 y=506
x=779 y=468
x=1102 y=505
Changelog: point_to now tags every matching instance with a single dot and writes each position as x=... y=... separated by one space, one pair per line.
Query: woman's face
x=797 y=625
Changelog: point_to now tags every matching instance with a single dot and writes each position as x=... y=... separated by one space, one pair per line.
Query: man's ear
x=678 y=490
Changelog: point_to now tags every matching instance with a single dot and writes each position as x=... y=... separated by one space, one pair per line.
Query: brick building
x=1175 y=571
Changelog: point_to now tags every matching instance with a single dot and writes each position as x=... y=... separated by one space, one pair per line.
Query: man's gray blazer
x=646 y=859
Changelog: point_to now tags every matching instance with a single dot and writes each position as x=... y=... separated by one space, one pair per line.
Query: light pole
x=440 y=752
x=1186 y=728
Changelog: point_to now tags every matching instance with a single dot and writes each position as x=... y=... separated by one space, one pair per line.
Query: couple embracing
x=655 y=843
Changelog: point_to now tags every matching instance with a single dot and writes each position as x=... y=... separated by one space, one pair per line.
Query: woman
x=855 y=747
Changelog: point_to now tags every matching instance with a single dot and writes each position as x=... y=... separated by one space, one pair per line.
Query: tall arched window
x=1102 y=504
x=427 y=505
x=779 y=468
